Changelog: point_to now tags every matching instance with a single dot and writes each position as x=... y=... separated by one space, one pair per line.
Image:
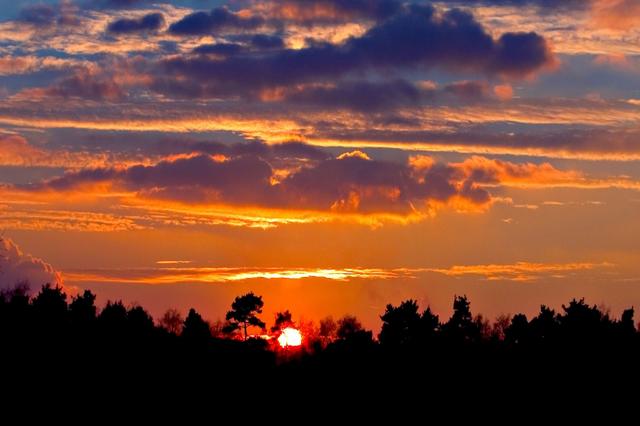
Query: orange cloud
x=504 y=92
x=519 y=271
x=16 y=151
x=220 y=275
x=620 y=15
x=351 y=154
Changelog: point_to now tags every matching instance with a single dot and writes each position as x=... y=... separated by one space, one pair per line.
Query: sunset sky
x=331 y=155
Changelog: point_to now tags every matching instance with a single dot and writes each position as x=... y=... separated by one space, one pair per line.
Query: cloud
x=520 y=271
x=148 y=23
x=218 y=20
x=543 y=4
x=175 y=275
x=357 y=95
x=220 y=49
x=116 y=3
x=468 y=89
x=17 y=65
x=417 y=38
x=17 y=267
x=351 y=183
x=45 y=16
x=16 y=151
x=329 y=11
x=266 y=41
x=617 y=14
x=250 y=42
x=84 y=82
x=491 y=171
x=293 y=176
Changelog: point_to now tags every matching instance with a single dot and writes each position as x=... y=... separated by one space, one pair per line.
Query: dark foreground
x=417 y=362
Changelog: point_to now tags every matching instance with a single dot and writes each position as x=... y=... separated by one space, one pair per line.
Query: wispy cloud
x=520 y=271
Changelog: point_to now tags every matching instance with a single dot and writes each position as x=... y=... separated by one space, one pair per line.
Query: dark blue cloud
x=47 y=15
x=39 y=14
x=248 y=42
x=219 y=19
x=545 y=4
x=219 y=49
x=418 y=38
x=266 y=41
x=518 y=53
x=362 y=95
x=147 y=23
x=115 y=3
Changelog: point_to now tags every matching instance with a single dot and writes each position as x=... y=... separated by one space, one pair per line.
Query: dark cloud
x=116 y=3
x=271 y=153
x=351 y=182
x=544 y=4
x=219 y=49
x=418 y=38
x=44 y=16
x=148 y=23
x=569 y=140
x=39 y=14
x=362 y=95
x=85 y=84
x=218 y=20
x=518 y=53
x=266 y=41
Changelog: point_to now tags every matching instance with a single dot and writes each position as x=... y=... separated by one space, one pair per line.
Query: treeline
x=52 y=328
x=50 y=314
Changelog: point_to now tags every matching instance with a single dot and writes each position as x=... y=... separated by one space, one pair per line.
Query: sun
x=290 y=337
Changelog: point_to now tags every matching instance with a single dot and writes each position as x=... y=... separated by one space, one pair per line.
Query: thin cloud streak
x=520 y=271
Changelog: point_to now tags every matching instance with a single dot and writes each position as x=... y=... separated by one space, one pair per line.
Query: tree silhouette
x=113 y=319
x=351 y=335
x=461 y=326
x=517 y=332
x=626 y=324
x=283 y=320
x=124 y=342
x=545 y=327
x=195 y=329
x=50 y=304
x=82 y=308
x=243 y=313
x=140 y=322
x=429 y=323
x=327 y=331
x=400 y=325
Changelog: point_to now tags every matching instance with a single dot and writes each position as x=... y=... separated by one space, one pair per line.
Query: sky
x=332 y=156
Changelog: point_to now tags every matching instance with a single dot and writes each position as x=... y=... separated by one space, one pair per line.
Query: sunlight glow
x=290 y=337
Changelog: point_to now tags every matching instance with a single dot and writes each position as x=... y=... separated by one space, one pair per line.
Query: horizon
x=331 y=156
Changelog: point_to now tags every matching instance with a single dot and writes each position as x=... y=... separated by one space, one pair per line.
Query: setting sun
x=290 y=337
